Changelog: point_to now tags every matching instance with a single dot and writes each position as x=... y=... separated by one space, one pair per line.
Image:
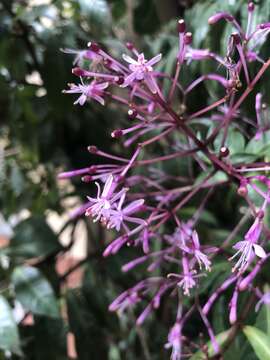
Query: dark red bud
x=130 y=45
x=107 y=63
x=236 y=38
x=79 y=72
x=181 y=26
x=132 y=114
x=92 y=149
x=224 y=151
x=119 y=80
x=260 y=214
x=87 y=178
x=188 y=38
x=92 y=169
x=94 y=46
x=117 y=133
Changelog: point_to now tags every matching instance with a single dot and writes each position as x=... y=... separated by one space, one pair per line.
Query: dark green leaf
x=34 y=291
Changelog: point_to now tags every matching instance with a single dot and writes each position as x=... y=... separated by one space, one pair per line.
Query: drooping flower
x=249 y=247
x=142 y=69
x=93 y=90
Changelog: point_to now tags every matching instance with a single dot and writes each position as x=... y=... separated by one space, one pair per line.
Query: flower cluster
x=143 y=202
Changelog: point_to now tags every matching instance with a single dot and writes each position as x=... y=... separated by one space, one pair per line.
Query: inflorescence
x=138 y=204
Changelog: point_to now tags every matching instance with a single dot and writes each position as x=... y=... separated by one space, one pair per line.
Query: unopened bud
x=224 y=151
x=86 y=178
x=188 y=38
x=119 y=80
x=236 y=38
x=251 y=6
x=242 y=190
x=107 y=63
x=130 y=45
x=181 y=26
x=79 y=72
x=117 y=133
x=94 y=46
x=132 y=114
x=92 y=149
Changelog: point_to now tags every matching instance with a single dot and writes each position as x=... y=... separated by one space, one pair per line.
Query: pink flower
x=103 y=203
x=119 y=215
x=141 y=69
x=93 y=90
x=249 y=247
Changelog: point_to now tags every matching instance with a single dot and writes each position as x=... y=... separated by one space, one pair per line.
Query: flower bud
x=181 y=26
x=79 y=72
x=242 y=190
x=87 y=179
x=224 y=151
x=251 y=6
x=117 y=133
x=188 y=38
x=130 y=45
x=92 y=149
x=94 y=46
x=132 y=114
x=119 y=80
x=236 y=38
x=107 y=63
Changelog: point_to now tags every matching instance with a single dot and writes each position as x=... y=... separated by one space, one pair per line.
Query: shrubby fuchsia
x=144 y=203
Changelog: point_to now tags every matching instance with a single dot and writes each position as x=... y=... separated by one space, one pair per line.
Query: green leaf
x=259 y=341
x=221 y=338
x=33 y=238
x=34 y=291
x=9 y=335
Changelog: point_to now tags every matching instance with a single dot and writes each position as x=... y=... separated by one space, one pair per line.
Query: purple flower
x=141 y=69
x=249 y=247
x=103 y=203
x=93 y=90
x=201 y=258
x=174 y=341
x=119 y=215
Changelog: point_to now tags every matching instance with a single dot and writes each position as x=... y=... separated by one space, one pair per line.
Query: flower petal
x=259 y=251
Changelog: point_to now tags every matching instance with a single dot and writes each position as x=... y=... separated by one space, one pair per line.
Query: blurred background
x=55 y=287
